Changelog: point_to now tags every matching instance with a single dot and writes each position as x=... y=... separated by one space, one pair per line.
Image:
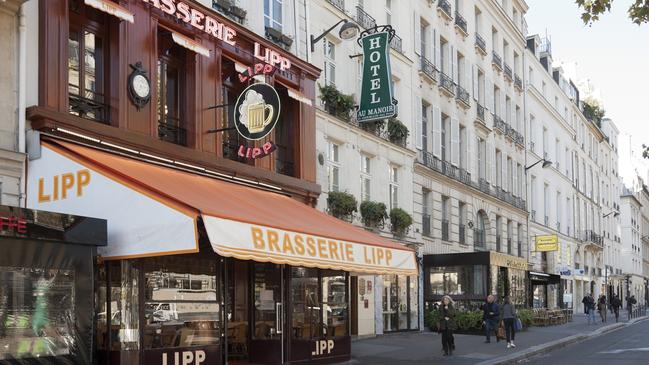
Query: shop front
x=218 y=273
x=546 y=290
x=469 y=277
x=46 y=286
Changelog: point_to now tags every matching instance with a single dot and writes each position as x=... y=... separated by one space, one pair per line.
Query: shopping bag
x=518 y=325
x=501 y=332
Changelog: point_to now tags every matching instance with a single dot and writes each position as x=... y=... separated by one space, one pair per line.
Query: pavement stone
x=418 y=348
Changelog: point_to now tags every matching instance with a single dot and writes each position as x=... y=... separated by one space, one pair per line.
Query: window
x=498 y=235
x=388 y=11
x=496 y=105
x=446 y=135
x=445 y=217
x=182 y=299
x=171 y=89
x=38 y=313
x=519 y=174
x=463 y=162
x=479 y=233
x=399 y=303
x=424 y=127
x=333 y=162
x=425 y=197
x=482 y=153
x=510 y=175
x=519 y=243
x=394 y=187
x=478 y=20
x=462 y=222
x=510 y=236
x=273 y=14
x=86 y=64
x=445 y=55
x=423 y=47
x=330 y=62
x=366 y=177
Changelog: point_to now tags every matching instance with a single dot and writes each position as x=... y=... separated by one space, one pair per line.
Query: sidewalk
x=422 y=348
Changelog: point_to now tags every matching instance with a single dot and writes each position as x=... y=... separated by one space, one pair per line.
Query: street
x=628 y=345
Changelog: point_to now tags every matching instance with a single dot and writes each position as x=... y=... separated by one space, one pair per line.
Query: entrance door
x=267 y=314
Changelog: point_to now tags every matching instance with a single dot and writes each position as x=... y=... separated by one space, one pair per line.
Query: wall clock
x=139 y=86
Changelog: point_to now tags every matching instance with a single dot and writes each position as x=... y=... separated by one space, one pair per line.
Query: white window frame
x=329 y=53
x=366 y=177
x=394 y=187
x=333 y=164
x=271 y=17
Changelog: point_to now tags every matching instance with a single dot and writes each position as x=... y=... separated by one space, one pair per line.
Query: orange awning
x=249 y=223
x=112 y=8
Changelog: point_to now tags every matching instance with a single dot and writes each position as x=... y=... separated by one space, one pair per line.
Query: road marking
x=639 y=349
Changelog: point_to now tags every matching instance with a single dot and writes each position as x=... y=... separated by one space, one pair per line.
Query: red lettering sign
x=257 y=152
x=12 y=223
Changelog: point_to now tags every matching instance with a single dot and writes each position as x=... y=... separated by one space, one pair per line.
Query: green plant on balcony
x=373 y=127
x=593 y=111
x=400 y=222
x=373 y=214
x=341 y=205
x=397 y=132
x=336 y=103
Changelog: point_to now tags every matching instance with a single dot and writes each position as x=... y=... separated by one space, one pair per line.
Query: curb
x=557 y=344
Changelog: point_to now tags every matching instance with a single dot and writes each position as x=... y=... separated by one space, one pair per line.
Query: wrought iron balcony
x=460 y=22
x=508 y=72
x=89 y=109
x=592 y=237
x=499 y=124
x=396 y=43
x=484 y=186
x=496 y=60
x=445 y=167
x=430 y=161
x=480 y=113
x=169 y=130
x=364 y=19
x=449 y=170
x=340 y=4
x=463 y=96
x=518 y=83
x=445 y=229
x=447 y=84
x=444 y=7
x=428 y=69
x=425 y=225
x=480 y=44
x=462 y=234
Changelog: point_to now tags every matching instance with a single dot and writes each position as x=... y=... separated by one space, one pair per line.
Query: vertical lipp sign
x=376 y=88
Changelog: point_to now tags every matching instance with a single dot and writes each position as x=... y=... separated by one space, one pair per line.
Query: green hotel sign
x=376 y=88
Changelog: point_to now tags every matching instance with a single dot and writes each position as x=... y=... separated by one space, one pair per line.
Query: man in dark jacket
x=490 y=316
x=616 y=304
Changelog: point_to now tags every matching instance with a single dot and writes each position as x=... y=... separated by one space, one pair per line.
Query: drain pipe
x=22 y=85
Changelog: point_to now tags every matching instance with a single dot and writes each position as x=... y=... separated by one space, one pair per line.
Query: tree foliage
x=592 y=9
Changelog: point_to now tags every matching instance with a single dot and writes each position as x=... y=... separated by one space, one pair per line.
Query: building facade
x=12 y=104
x=632 y=247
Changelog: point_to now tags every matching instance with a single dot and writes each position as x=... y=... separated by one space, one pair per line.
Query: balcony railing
x=591 y=236
x=89 y=109
x=445 y=226
x=396 y=43
x=446 y=83
x=445 y=7
x=428 y=69
x=460 y=22
x=499 y=124
x=480 y=113
x=479 y=240
x=445 y=167
x=484 y=186
x=463 y=96
x=518 y=83
x=364 y=19
x=350 y=118
x=508 y=72
x=496 y=60
x=170 y=131
x=462 y=234
x=340 y=4
x=480 y=44
x=425 y=223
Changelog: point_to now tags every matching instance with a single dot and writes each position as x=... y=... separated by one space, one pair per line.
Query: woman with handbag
x=508 y=319
x=446 y=325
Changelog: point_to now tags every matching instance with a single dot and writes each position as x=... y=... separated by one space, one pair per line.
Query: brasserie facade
x=194 y=138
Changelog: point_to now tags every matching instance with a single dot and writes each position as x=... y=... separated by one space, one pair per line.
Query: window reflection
x=458 y=280
x=306 y=303
x=334 y=292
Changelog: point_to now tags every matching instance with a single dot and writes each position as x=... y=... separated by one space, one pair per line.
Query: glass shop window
x=320 y=303
x=124 y=306
x=285 y=133
x=37 y=313
x=182 y=303
x=87 y=55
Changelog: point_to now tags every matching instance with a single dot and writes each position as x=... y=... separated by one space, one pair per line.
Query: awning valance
x=154 y=210
x=190 y=44
x=111 y=8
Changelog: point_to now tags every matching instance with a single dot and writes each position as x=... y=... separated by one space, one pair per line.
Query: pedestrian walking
x=630 y=301
x=508 y=318
x=490 y=316
x=601 y=307
x=446 y=325
x=616 y=304
x=589 y=308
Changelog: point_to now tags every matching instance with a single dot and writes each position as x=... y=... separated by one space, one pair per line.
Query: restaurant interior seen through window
x=87 y=52
x=171 y=78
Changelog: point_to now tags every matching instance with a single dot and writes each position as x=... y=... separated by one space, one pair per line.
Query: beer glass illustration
x=255 y=113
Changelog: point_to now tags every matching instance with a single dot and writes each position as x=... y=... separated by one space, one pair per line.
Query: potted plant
x=397 y=132
x=341 y=205
x=400 y=222
x=374 y=127
x=335 y=102
x=373 y=214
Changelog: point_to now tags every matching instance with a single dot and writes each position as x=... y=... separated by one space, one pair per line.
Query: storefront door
x=255 y=302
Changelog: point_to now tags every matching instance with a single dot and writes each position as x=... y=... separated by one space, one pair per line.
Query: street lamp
x=546 y=163
x=615 y=214
x=349 y=30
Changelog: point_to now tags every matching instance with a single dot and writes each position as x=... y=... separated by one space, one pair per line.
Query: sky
x=613 y=53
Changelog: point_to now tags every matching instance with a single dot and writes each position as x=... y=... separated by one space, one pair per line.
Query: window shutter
x=418 y=123
x=471 y=144
x=476 y=87
x=455 y=142
x=417 y=25
x=454 y=69
x=437 y=132
x=489 y=155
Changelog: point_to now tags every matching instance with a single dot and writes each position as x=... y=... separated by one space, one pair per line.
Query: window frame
x=271 y=17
